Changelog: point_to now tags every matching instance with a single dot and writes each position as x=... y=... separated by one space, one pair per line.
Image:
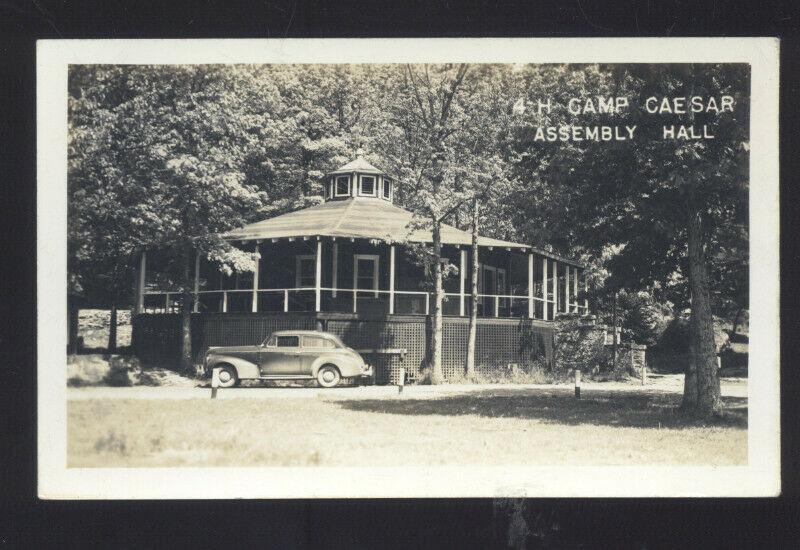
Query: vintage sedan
x=288 y=355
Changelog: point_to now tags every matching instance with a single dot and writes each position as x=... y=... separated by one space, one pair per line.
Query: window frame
x=336 y=186
x=387 y=181
x=374 y=185
x=298 y=259
x=376 y=259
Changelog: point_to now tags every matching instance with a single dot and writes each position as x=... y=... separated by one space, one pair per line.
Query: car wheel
x=328 y=376
x=228 y=377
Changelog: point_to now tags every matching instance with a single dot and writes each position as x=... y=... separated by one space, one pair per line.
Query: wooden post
x=544 y=288
x=335 y=274
x=644 y=369
x=142 y=281
x=427 y=303
x=285 y=300
x=462 y=282
x=566 y=288
x=196 y=306
x=585 y=291
x=318 y=278
x=254 y=307
x=614 y=333
x=575 y=287
x=214 y=382
x=391 y=280
x=224 y=301
x=401 y=382
x=555 y=289
x=166 y=302
x=530 y=285
x=578 y=383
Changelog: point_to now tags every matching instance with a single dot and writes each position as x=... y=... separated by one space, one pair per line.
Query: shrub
x=579 y=343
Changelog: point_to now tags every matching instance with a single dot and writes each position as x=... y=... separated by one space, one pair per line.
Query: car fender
x=348 y=366
x=244 y=368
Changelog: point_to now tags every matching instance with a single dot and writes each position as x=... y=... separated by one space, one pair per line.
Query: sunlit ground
x=486 y=427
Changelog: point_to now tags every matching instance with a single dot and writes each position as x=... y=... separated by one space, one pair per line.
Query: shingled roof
x=361 y=218
x=358 y=165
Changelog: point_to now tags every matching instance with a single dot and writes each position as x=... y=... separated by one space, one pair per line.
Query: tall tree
x=665 y=205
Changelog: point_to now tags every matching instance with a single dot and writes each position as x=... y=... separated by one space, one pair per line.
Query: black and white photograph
x=503 y=269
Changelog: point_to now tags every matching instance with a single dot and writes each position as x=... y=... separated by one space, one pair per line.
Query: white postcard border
x=761 y=477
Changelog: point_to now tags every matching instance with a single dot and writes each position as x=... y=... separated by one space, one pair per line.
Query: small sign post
x=577 y=383
x=402 y=380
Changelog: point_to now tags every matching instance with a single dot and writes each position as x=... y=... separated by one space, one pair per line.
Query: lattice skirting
x=500 y=342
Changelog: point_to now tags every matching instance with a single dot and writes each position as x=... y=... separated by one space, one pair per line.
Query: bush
x=579 y=344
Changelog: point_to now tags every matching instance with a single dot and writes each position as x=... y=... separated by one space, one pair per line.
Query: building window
x=368 y=186
x=306 y=271
x=342 y=186
x=387 y=189
x=365 y=272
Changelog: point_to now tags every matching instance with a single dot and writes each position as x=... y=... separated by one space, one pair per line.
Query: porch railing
x=347 y=300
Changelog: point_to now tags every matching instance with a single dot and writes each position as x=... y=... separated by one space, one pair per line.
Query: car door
x=281 y=355
x=312 y=348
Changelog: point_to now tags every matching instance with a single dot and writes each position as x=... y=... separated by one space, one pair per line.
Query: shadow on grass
x=561 y=407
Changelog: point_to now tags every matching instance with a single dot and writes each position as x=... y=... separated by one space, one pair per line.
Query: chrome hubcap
x=224 y=376
x=328 y=376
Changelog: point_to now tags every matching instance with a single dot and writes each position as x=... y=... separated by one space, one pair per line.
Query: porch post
x=530 y=285
x=555 y=289
x=462 y=283
x=196 y=306
x=391 y=280
x=575 y=287
x=566 y=289
x=335 y=267
x=141 y=281
x=318 y=278
x=585 y=290
x=544 y=288
x=255 y=277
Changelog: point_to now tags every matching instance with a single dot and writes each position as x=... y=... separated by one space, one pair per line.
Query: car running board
x=285 y=377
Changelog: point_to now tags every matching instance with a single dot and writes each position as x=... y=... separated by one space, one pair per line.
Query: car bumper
x=366 y=371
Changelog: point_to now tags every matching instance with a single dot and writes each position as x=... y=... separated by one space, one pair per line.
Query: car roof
x=301 y=333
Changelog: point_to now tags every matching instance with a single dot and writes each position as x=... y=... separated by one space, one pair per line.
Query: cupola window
x=368 y=186
x=342 y=186
x=387 y=189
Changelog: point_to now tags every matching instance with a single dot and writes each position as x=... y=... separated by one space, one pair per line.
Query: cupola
x=358 y=179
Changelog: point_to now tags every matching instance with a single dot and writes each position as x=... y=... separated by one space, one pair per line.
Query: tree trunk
x=435 y=364
x=614 y=324
x=705 y=397
x=112 y=326
x=72 y=327
x=186 y=314
x=473 y=307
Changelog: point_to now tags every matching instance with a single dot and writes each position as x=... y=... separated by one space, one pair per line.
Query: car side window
x=272 y=342
x=288 y=341
x=317 y=342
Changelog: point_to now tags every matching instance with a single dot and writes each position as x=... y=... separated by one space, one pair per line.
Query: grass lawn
x=492 y=427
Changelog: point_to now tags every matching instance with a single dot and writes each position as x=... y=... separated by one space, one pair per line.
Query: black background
x=623 y=523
